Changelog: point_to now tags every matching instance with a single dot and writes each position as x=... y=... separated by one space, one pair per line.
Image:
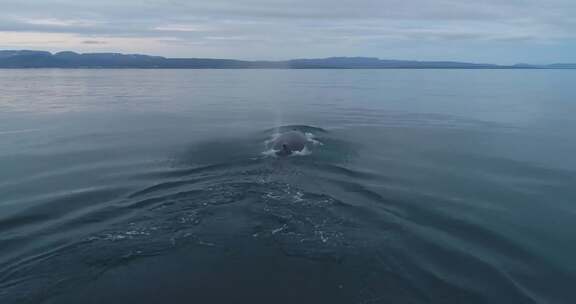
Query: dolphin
x=289 y=142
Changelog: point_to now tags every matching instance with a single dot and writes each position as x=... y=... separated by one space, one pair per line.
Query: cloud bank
x=480 y=30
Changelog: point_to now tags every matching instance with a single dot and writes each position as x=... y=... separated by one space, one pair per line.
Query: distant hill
x=42 y=59
x=367 y=62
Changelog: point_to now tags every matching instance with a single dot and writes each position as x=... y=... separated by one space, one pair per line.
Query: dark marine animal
x=290 y=142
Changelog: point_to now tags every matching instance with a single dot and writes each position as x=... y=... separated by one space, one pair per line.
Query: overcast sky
x=497 y=31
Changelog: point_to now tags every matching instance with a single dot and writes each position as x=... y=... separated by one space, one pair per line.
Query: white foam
x=312 y=139
x=302 y=152
x=271 y=152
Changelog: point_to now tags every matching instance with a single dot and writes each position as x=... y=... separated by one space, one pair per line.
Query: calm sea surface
x=152 y=186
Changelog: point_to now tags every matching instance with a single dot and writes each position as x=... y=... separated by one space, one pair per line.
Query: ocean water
x=153 y=186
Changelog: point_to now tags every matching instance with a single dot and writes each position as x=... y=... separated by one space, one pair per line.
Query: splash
x=270 y=151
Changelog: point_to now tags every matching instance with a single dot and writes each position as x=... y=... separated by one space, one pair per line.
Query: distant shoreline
x=284 y=68
x=25 y=59
x=263 y=68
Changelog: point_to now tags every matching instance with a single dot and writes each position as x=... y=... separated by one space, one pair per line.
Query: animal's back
x=291 y=141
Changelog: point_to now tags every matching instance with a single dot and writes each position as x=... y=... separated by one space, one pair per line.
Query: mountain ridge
x=68 y=59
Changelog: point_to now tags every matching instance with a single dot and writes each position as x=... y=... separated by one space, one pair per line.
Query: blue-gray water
x=150 y=186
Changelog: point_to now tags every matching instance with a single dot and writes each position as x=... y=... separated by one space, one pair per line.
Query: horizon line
x=22 y=52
